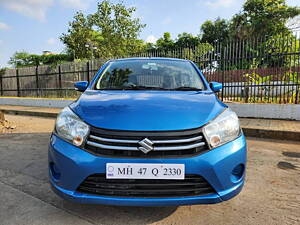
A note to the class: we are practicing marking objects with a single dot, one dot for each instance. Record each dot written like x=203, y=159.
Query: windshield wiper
x=185, y=88
x=141, y=87
x=110, y=88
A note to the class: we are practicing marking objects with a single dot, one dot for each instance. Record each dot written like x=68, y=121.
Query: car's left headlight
x=70, y=127
x=222, y=129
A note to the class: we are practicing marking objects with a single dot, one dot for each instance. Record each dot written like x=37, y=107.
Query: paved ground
x=267, y=124
x=271, y=194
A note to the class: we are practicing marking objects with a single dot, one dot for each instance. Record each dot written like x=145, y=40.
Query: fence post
x=18, y=83
x=88, y=71
x=223, y=56
x=59, y=81
x=1, y=85
x=297, y=94
x=37, y=80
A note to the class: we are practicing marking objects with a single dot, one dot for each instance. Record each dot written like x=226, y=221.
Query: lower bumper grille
x=192, y=185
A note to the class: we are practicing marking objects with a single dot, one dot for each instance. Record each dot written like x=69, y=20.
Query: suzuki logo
x=146, y=145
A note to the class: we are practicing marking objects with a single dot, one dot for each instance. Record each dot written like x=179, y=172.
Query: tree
x=262, y=17
x=165, y=42
x=185, y=39
x=213, y=31
x=80, y=34
x=21, y=59
x=149, y=46
x=110, y=32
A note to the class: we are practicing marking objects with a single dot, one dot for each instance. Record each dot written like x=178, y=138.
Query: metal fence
x=256, y=70
x=260, y=70
x=47, y=81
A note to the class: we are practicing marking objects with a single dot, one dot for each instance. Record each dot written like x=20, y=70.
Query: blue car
x=147, y=132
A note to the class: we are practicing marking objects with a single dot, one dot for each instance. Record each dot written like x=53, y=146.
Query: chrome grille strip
x=113, y=140
x=154, y=141
x=112, y=147
x=177, y=141
x=182, y=147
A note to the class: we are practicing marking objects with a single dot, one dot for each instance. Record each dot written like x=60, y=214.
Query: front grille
x=162, y=144
x=192, y=185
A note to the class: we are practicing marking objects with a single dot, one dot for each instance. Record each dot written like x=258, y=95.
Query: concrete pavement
x=270, y=196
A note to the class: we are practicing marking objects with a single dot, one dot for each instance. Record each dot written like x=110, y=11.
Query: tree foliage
x=20, y=59
x=183, y=40
x=186, y=39
x=257, y=18
x=184, y=46
x=215, y=31
x=109, y=32
x=23, y=59
x=80, y=33
x=2, y=71
x=165, y=42
x=262, y=17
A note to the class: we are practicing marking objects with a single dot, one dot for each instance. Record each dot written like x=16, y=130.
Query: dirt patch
x=27, y=124
x=5, y=125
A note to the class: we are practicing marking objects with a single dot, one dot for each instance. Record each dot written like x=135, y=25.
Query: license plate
x=144, y=171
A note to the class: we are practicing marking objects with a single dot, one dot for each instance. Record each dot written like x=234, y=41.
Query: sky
x=35, y=25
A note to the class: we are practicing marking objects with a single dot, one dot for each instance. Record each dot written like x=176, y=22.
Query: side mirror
x=81, y=86
x=215, y=86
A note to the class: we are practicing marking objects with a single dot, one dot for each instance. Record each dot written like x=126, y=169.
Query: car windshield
x=150, y=74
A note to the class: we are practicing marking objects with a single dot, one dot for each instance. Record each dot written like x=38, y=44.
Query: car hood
x=147, y=110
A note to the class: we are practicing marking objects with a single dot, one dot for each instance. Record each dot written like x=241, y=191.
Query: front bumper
x=73, y=165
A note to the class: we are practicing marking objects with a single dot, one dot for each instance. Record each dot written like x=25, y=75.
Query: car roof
x=149, y=58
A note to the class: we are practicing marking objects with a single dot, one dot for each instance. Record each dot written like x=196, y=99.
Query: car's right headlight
x=70, y=127
x=222, y=129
